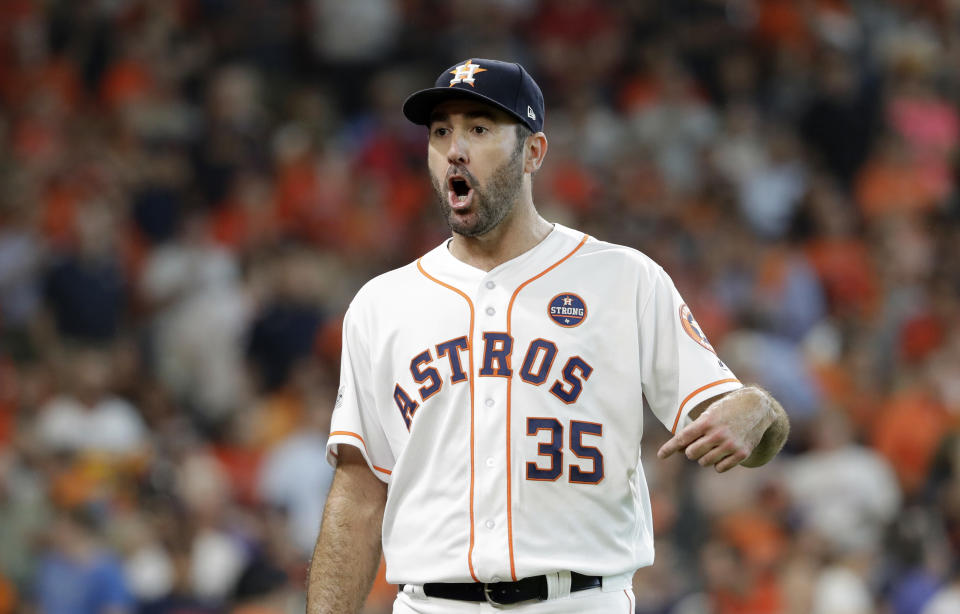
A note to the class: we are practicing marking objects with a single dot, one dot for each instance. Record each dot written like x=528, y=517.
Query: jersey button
x=488, y=402
x=490, y=462
x=494, y=579
x=491, y=311
x=491, y=285
x=490, y=524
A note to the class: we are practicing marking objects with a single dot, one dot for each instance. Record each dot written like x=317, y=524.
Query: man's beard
x=490, y=204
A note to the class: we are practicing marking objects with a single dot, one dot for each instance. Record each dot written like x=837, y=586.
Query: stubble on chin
x=491, y=204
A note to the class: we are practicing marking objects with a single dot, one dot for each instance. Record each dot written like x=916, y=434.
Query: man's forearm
x=347, y=553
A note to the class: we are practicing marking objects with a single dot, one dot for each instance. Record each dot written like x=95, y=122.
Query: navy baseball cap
x=504, y=85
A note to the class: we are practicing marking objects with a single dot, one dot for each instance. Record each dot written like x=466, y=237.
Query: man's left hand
x=731, y=430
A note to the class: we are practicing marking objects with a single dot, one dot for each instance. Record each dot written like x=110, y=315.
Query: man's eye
x=439, y=131
x=480, y=129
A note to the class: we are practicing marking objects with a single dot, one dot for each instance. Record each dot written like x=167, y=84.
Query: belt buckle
x=491, y=600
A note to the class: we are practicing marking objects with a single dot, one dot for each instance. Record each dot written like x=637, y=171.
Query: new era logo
x=531, y=114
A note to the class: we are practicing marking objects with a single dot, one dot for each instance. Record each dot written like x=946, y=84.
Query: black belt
x=504, y=593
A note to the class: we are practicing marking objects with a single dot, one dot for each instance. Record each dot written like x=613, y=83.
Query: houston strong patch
x=567, y=310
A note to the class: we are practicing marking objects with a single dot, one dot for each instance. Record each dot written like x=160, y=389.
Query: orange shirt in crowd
x=908, y=432
x=842, y=390
x=781, y=23
x=8, y=596
x=9, y=400
x=125, y=81
x=846, y=270
x=573, y=185
x=280, y=414
x=884, y=187
x=242, y=466
x=762, y=597
x=920, y=336
x=756, y=535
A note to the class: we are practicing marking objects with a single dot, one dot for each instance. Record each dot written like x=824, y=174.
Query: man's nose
x=457, y=153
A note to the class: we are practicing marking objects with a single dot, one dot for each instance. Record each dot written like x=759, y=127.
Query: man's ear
x=534, y=151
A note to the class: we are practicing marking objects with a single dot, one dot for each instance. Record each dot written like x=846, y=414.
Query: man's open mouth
x=460, y=193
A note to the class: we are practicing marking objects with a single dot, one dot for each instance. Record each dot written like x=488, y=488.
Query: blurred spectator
x=847, y=494
x=577, y=43
x=355, y=31
x=85, y=288
x=201, y=313
x=840, y=256
x=778, y=365
x=918, y=565
x=769, y=196
x=24, y=513
x=891, y=182
x=907, y=431
x=284, y=331
x=261, y=590
x=734, y=587
x=946, y=600
x=89, y=418
x=77, y=575
x=788, y=298
x=210, y=557
x=295, y=476
x=21, y=260
x=148, y=566
x=675, y=126
x=739, y=151
x=840, y=120
x=842, y=587
x=272, y=578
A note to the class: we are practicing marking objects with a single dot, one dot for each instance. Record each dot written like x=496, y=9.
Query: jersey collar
x=444, y=265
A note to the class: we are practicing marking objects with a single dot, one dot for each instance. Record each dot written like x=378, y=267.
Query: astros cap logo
x=693, y=329
x=567, y=310
x=465, y=72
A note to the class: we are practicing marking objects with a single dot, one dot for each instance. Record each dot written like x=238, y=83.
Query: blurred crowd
x=192, y=190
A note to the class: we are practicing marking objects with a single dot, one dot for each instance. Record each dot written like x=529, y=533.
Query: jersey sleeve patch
x=693, y=329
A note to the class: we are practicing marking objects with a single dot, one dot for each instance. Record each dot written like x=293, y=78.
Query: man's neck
x=519, y=232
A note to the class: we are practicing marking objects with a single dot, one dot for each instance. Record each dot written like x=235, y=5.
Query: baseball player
x=488, y=423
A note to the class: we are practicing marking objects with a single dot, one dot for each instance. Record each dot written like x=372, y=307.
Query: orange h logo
x=465, y=72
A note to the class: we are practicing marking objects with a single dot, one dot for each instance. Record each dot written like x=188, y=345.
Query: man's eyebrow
x=480, y=113
x=475, y=114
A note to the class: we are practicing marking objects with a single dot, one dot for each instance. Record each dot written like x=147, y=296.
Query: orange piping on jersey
x=470, y=360
x=630, y=609
x=351, y=434
x=513, y=569
x=695, y=393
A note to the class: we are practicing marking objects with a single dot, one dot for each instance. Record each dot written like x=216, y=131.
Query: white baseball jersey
x=503, y=408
